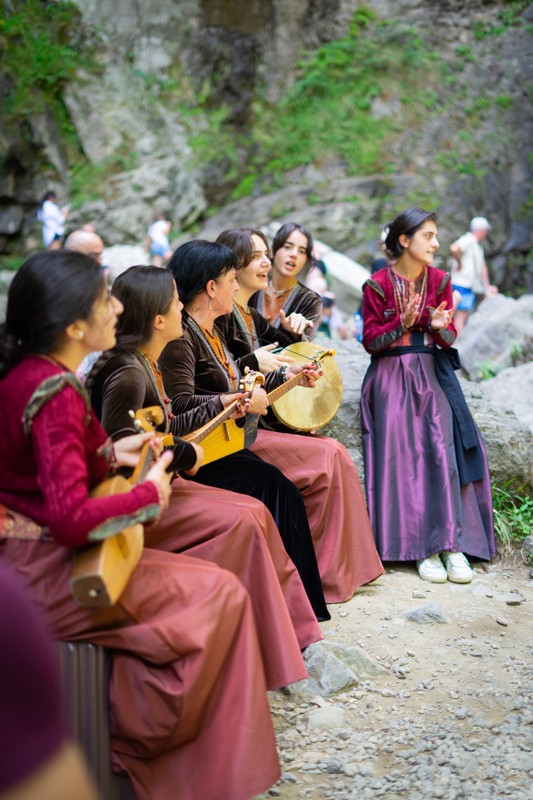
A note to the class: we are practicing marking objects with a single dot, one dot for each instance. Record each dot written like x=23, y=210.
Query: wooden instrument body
x=101, y=571
x=222, y=436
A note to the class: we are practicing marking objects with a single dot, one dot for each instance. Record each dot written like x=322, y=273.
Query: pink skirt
x=189, y=712
x=327, y=478
x=238, y=533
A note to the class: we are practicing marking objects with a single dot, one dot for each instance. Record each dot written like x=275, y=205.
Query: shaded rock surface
x=498, y=335
x=513, y=389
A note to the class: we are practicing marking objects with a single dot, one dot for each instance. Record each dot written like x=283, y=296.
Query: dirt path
x=452, y=717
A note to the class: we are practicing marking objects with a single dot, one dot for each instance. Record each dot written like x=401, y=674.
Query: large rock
x=508, y=440
x=498, y=335
x=513, y=389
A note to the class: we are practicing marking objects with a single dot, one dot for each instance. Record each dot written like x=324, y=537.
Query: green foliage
x=507, y=17
x=91, y=181
x=464, y=52
x=39, y=54
x=11, y=264
x=327, y=113
x=513, y=513
x=485, y=370
x=504, y=101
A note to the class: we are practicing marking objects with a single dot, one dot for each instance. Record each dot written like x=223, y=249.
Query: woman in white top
x=52, y=218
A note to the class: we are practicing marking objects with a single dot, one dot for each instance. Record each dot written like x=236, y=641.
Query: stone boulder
x=498, y=335
x=508, y=440
x=121, y=256
x=144, y=136
x=513, y=389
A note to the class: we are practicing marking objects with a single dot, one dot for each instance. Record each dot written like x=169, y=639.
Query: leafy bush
x=39, y=54
x=327, y=113
x=513, y=514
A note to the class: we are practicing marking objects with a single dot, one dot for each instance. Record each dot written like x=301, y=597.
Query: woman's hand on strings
x=128, y=450
x=268, y=360
x=309, y=373
x=258, y=402
x=158, y=474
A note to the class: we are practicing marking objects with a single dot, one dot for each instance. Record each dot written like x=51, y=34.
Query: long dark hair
x=196, y=263
x=283, y=234
x=50, y=291
x=240, y=241
x=144, y=292
x=407, y=223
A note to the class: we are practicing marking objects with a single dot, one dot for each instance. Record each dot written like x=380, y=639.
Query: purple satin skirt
x=416, y=504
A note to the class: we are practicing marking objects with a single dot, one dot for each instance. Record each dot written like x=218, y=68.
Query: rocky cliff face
x=135, y=132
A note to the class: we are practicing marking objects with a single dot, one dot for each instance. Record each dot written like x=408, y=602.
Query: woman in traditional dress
x=319, y=465
x=285, y=302
x=234, y=530
x=187, y=685
x=427, y=481
x=198, y=373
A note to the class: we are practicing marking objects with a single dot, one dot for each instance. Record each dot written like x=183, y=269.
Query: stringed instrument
x=219, y=437
x=304, y=410
x=100, y=572
x=222, y=436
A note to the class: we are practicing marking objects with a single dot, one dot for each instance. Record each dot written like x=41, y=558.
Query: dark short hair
x=196, y=263
x=283, y=234
x=407, y=223
x=50, y=291
x=49, y=195
x=240, y=241
x=144, y=292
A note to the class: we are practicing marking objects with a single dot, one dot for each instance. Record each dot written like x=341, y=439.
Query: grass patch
x=41, y=49
x=328, y=113
x=506, y=18
x=513, y=514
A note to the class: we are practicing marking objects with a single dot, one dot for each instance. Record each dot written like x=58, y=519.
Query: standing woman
x=285, y=302
x=52, y=218
x=233, y=530
x=187, y=684
x=427, y=480
x=318, y=465
x=198, y=372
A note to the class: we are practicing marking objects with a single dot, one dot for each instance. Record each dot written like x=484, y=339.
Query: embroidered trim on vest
x=116, y=524
x=444, y=283
x=47, y=390
x=372, y=284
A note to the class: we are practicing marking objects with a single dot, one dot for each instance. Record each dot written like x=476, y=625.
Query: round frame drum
x=304, y=409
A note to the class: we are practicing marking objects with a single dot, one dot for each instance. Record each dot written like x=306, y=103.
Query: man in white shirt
x=470, y=275
x=157, y=243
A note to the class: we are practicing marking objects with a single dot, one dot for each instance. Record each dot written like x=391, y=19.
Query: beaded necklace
x=403, y=289
x=152, y=370
x=216, y=346
x=274, y=300
x=245, y=321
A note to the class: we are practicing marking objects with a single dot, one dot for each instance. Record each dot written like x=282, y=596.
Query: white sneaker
x=432, y=569
x=457, y=567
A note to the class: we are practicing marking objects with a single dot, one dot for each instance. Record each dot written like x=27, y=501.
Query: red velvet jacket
x=46, y=472
x=382, y=325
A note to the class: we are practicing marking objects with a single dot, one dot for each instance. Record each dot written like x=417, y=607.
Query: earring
x=81, y=335
x=214, y=310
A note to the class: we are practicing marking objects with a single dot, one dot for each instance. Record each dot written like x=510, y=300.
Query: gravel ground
x=452, y=715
